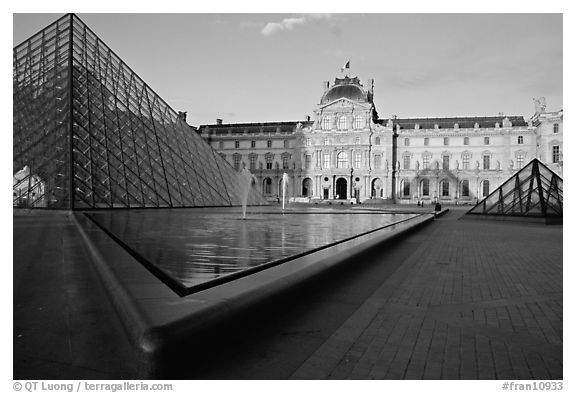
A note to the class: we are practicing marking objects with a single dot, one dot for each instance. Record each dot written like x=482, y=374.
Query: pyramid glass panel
x=89, y=133
x=534, y=191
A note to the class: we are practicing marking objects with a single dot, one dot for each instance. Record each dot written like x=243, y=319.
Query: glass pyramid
x=89, y=133
x=534, y=191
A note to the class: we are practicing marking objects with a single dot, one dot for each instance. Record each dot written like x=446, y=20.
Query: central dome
x=345, y=88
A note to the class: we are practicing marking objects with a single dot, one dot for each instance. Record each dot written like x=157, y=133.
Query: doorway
x=341, y=188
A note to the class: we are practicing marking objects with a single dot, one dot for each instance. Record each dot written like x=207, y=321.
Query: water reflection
x=194, y=246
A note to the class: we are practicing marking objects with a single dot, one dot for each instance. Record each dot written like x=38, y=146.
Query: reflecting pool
x=193, y=246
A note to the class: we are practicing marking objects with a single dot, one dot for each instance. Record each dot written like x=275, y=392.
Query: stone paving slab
x=475, y=300
x=64, y=324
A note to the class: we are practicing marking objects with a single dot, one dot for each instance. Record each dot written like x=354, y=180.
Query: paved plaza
x=455, y=299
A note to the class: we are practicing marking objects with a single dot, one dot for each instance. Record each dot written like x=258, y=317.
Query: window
x=556, y=128
x=342, y=123
x=269, y=161
x=307, y=161
x=253, y=162
x=406, y=142
x=267, y=186
x=520, y=140
x=357, y=159
x=253, y=144
x=326, y=160
x=466, y=161
x=308, y=142
x=445, y=141
x=326, y=141
x=426, y=141
x=237, y=144
x=405, y=188
x=485, y=188
x=286, y=144
x=486, y=162
x=555, y=154
x=377, y=161
x=326, y=123
x=466, y=140
x=426, y=161
x=285, y=162
x=269, y=143
x=237, y=158
x=465, y=188
x=358, y=122
x=357, y=141
x=406, y=161
x=445, y=188
x=342, y=160
x=486, y=140
x=446, y=162
x=519, y=161
x=221, y=145
x=426, y=187
x=377, y=140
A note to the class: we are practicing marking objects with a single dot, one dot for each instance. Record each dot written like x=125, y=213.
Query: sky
x=270, y=67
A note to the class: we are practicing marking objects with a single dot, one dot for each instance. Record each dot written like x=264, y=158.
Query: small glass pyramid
x=534, y=191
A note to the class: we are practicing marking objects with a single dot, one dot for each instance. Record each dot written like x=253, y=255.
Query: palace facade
x=345, y=151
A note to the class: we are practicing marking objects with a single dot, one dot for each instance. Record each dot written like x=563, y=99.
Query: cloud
x=289, y=23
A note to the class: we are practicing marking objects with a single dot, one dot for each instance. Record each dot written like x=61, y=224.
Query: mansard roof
x=448, y=122
x=251, y=128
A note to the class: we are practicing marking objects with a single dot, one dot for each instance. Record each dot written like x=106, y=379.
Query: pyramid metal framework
x=89, y=133
x=534, y=191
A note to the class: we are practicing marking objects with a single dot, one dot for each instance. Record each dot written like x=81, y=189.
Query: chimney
x=219, y=122
x=326, y=85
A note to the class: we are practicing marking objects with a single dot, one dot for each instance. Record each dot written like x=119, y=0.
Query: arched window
x=342, y=160
x=343, y=123
x=286, y=144
x=377, y=140
x=465, y=192
x=405, y=187
x=425, y=184
x=406, y=142
x=466, y=140
x=485, y=188
x=358, y=122
x=326, y=123
x=267, y=186
x=307, y=187
x=520, y=140
x=445, y=188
